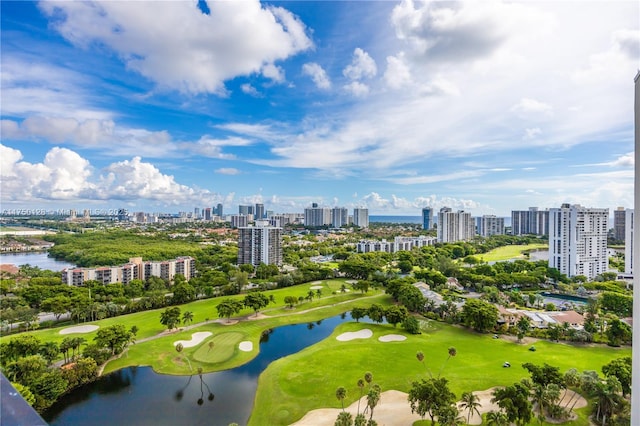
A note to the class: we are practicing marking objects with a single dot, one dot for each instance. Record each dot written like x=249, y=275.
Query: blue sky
x=166, y=106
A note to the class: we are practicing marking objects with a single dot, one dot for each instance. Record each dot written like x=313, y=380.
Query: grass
x=224, y=347
x=509, y=252
x=293, y=385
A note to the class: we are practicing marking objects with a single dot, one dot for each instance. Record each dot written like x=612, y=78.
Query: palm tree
x=368, y=377
x=211, y=345
x=373, y=397
x=179, y=348
x=452, y=352
x=361, y=386
x=341, y=394
x=470, y=402
x=420, y=357
x=497, y=418
x=344, y=419
x=187, y=317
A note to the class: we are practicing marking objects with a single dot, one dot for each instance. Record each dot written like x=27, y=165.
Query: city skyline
x=484, y=106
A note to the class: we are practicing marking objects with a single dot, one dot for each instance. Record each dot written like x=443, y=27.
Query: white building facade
x=361, y=217
x=455, y=226
x=260, y=244
x=578, y=240
x=629, y=241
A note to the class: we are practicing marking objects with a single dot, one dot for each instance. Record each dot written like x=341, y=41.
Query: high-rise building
x=317, y=216
x=635, y=385
x=532, y=221
x=260, y=244
x=361, y=217
x=239, y=220
x=207, y=213
x=245, y=210
x=489, y=225
x=619, y=216
x=259, y=211
x=219, y=210
x=339, y=217
x=578, y=240
x=196, y=213
x=629, y=242
x=427, y=218
x=452, y=227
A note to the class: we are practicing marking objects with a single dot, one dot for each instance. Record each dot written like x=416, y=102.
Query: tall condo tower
x=578, y=240
x=427, y=218
x=260, y=244
x=452, y=227
x=361, y=217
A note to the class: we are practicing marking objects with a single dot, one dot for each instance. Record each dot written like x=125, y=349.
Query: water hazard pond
x=139, y=396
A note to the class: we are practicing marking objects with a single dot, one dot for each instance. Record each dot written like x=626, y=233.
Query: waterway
x=39, y=259
x=139, y=396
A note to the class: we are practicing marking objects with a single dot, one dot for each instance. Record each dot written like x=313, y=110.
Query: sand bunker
x=316, y=282
x=196, y=339
x=393, y=409
x=79, y=329
x=316, y=287
x=350, y=335
x=246, y=346
x=392, y=338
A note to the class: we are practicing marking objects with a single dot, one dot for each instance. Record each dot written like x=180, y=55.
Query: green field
x=292, y=386
x=509, y=252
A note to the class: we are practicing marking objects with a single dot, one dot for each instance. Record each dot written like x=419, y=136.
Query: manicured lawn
x=508, y=252
x=292, y=386
x=224, y=347
x=162, y=356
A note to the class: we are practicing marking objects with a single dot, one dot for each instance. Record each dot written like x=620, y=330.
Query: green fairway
x=224, y=347
x=292, y=386
x=509, y=252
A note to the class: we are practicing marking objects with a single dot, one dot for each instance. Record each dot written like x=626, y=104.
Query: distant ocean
x=412, y=219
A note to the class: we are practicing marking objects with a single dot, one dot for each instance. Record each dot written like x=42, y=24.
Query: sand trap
x=316, y=282
x=316, y=287
x=350, y=335
x=196, y=339
x=79, y=329
x=392, y=338
x=393, y=409
x=246, y=346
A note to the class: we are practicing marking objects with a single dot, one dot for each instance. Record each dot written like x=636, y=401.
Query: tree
x=480, y=315
x=187, y=317
x=373, y=397
x=341, y=394
x=428, y=396
x=452, y=352
x=514, y=400
x=470, y=402
x=618, y=332
x=344, y=419
x=57, y=305
x=170, y=317
x=115, y=337
x=376, y=313
x=523, y=325
x=228, y=307
x=395, y=314
x=183, y=292
x=357, y=313
x=411, y=325
x=621, y=369
x=290, y=301
x=256, y=301
x=497, y=418
x=179, y=349
x=411, y=297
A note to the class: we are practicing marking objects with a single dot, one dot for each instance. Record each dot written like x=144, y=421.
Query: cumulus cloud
x=64, y=175
x=374, y=201
x=317, y=74
x=628, y=42
x=200, y=52
x=362, y=66
x=357, y=88
x=397, y=73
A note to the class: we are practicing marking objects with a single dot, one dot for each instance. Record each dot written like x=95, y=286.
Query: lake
x=139, y=396
x=39, y=259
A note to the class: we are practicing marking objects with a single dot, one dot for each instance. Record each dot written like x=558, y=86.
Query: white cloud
x=531, y=107
x=628, y=43
x=374, y=201
x=250, y=90
x=362, y=66
x=227, y=171
x=317, y=74
x=532, y=133
x=200, y=52
x=397, y=73
x=357, y=88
